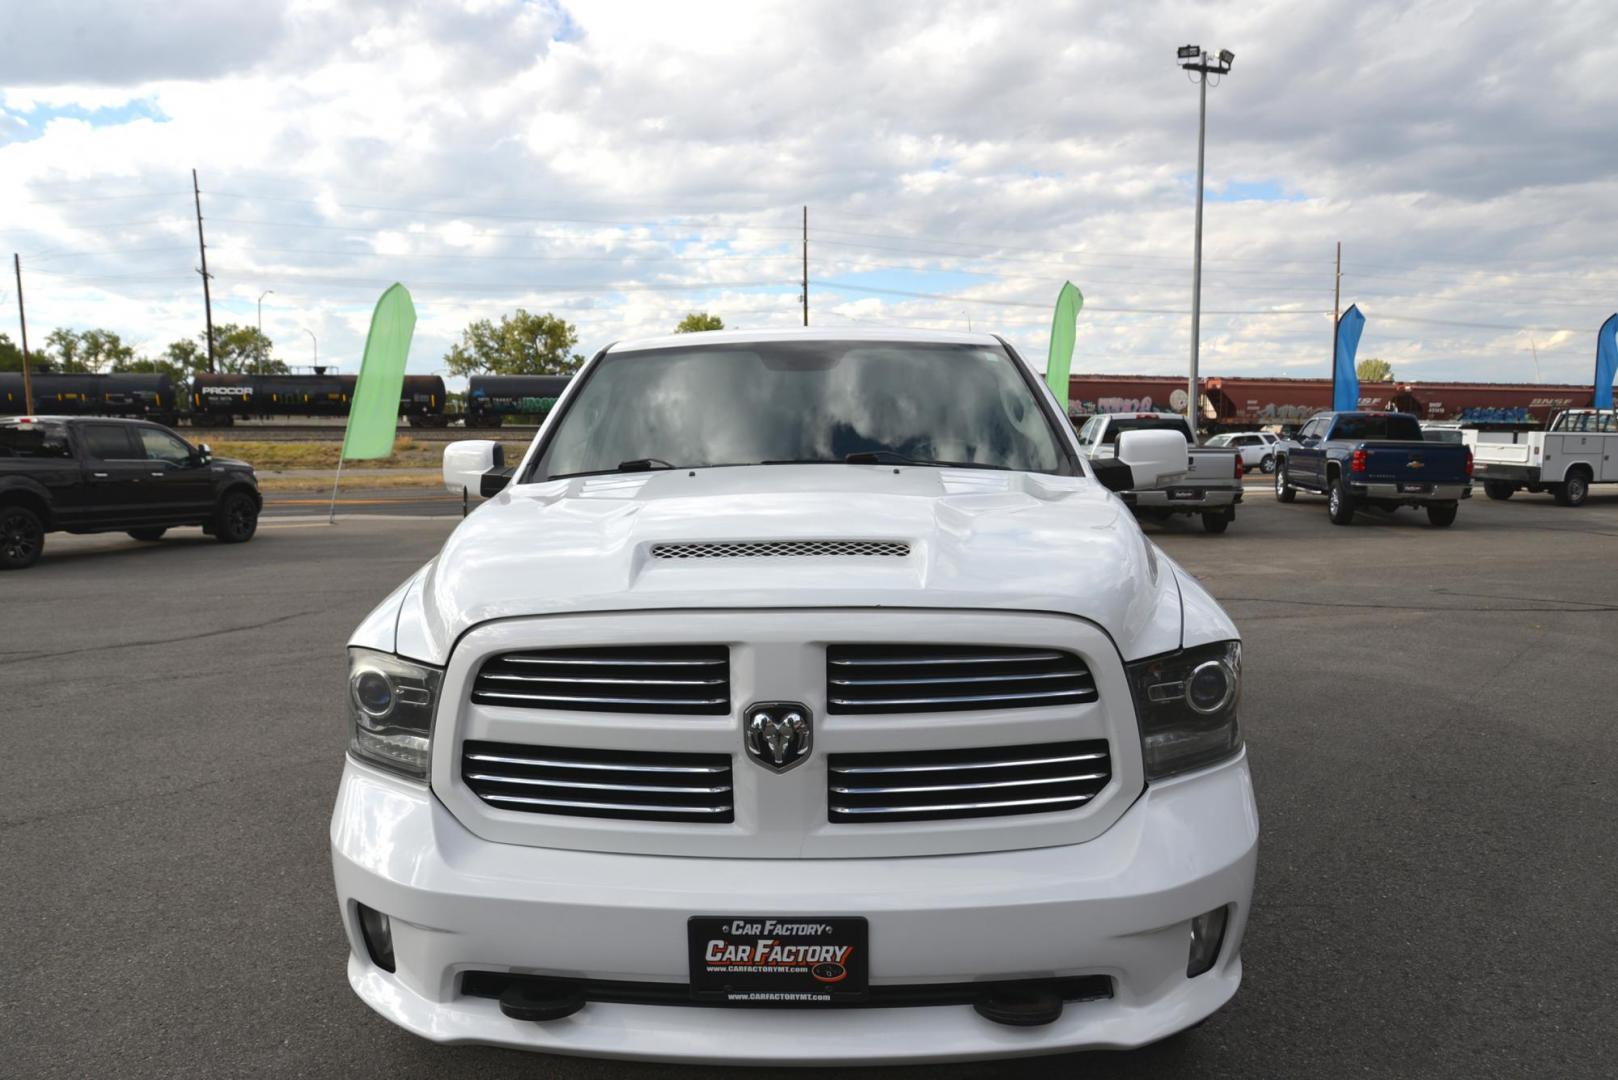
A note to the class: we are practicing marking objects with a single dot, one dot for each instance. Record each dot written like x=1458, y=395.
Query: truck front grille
x=939, y=678
x=935, y=785
x=624, y=784
x=689, y=680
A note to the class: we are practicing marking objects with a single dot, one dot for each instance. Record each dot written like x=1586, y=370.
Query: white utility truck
x=1579, y=449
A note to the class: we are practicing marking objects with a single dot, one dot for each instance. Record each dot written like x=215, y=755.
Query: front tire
x=236, y=520
x=1574, y=490
x=147, y=534
x=22, y=537
x=1340, y=504
x=1499, y=490
x=1442, y=515
x=1216, y=523
x=1284, y=492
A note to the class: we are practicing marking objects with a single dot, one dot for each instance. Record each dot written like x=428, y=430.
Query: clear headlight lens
x=390, y=711
x=1187, y=702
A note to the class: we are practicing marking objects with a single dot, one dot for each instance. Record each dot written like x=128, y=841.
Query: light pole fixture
x=260, y=342
x=1192, y=58
x=316, y=343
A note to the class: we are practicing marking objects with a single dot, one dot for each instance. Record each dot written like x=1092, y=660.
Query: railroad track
x=250, y=432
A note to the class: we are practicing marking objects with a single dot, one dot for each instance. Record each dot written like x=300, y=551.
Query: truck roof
x=805, y=333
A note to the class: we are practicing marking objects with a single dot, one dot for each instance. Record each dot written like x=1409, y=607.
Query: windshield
x=1376, y=426
x=1121, y=424
x=758, y=403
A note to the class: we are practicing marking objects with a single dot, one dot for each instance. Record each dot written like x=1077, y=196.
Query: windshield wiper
x=641, y=464
x=893, y=457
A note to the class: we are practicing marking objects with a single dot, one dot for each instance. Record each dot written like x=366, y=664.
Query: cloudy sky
x=622, y=163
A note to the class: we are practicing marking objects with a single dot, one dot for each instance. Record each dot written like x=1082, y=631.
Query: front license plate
x=778, y=959
x=1415, y=489
x=1185, y=493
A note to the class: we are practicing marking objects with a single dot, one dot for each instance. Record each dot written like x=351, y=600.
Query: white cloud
x=588, y=159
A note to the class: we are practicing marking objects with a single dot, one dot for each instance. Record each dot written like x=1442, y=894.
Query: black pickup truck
x=1374, y=459
x=84, y=475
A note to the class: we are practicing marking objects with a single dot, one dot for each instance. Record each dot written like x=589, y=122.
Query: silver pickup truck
x=1211, y=487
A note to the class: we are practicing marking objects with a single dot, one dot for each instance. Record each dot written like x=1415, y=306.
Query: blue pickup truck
x=1376, y=459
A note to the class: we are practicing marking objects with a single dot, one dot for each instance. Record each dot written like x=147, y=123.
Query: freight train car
x=1236, y=404
x=492, y=398
x=143, y=396
x=220, y=400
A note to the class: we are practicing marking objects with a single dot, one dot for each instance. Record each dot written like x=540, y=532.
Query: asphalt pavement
x=1429, y=713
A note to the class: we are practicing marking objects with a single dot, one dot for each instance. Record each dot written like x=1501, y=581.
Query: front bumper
x=1119, y=905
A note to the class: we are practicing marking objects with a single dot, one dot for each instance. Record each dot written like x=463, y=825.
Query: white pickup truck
x=1210, y=487
x=1579, y=449
x=813, y=670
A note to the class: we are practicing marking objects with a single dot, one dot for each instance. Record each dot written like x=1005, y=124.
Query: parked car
x=851, y=689
x=1210, y=488
x=1580, y=449
x=1257, y=448
x=84, y=475
x=1442, y=431
x=1375, y=459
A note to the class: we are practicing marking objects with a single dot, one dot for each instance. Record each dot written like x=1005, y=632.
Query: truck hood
x=976, y=538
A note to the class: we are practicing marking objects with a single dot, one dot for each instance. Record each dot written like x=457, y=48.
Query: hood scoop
x=783, y=549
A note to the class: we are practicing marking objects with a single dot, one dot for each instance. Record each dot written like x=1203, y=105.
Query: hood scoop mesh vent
x=784, y=549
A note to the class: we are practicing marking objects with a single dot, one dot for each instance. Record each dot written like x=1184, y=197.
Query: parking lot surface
x=1429, y=713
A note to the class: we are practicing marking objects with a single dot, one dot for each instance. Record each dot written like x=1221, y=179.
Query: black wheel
x=147, y=534
x=1574, y=490
x=22, y=537
x=1340, y=504
x=236, y=520
x=1284, y=492
x=1499, y=490
x=1442, y=515
x=1216, y=523
x=1267, y=465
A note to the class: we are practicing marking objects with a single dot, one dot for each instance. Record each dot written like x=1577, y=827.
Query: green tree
x=522, y=344
x=1373, y=370
x=64, y=353
x=699, y=320
x=185, y=356
x=242, y=350
x=10, y=355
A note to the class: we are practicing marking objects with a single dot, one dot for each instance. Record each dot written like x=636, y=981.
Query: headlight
x=1187, y=704
x=390, y=711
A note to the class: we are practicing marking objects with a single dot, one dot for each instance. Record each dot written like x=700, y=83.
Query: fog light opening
x=1207, y=937
x=377, y=931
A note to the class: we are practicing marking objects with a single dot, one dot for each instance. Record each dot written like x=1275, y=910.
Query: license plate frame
x=1407, y=488
x=1185, y=494
x=748, y=959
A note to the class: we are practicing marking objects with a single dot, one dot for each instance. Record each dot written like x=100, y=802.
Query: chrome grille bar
x=873, y=678
x=935, y=785
x=638, y=785
x=686, y=680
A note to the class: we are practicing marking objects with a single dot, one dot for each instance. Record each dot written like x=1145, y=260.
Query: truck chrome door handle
x=157, y=474
x=99, y=475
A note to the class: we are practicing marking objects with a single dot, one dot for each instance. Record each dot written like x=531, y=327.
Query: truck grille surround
x=939, y=678
x=622, y=784
x=939, y=785
x=690, y=680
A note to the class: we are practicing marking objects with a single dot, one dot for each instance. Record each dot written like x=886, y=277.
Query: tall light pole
x=1192, y=58
x=316, y=345
x=260, y=342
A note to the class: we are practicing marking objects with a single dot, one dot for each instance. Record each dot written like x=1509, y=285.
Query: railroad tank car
x=492, y=398
x=134, y=394
x=218, y=399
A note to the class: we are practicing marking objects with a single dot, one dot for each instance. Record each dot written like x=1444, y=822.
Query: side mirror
x=1153, y=456
x=204, y=453
x=465, y=464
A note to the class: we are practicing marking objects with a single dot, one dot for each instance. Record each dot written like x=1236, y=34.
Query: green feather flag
x=1064, y=327
x=373, y=415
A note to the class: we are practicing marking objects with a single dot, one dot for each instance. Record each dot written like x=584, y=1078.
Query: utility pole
x=207, y=299
x=1193, y=58
x=806, y=266
x=22, y=319
x=1336, y=313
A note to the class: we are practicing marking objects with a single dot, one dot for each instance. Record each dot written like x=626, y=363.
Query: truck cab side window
x=33, y=441
x=110, y=442
x=161, y=446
